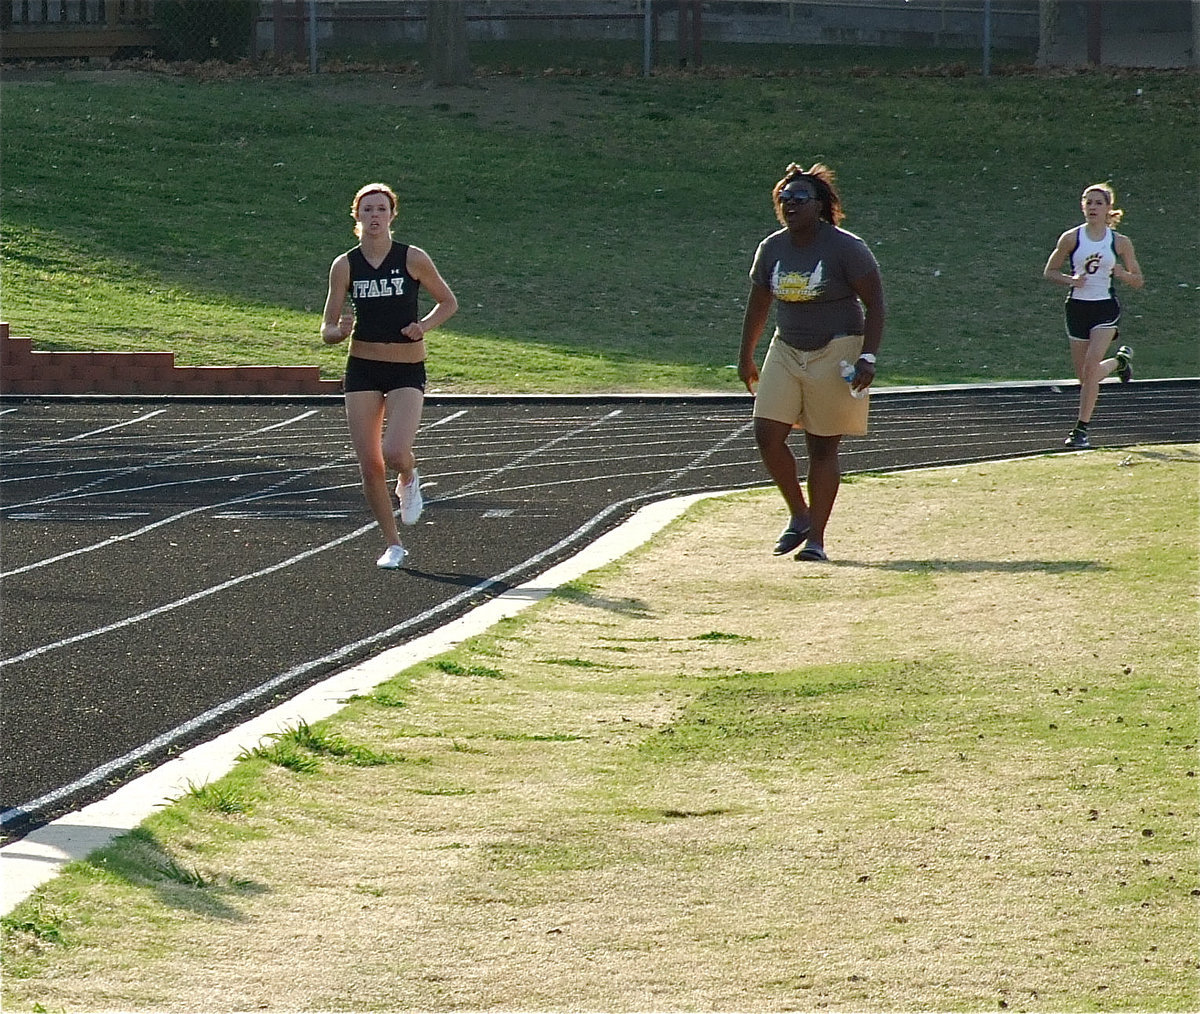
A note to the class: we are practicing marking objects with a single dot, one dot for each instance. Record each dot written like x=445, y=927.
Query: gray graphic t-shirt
x=811, y=284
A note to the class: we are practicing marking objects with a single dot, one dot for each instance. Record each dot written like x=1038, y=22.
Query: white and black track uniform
x=385, y=301
x=1093, y=304
x=385, y=298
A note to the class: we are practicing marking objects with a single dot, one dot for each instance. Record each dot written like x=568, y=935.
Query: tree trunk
x=448, y=61
x=1195, y=60
x=1095, y=34
x=1047, y=30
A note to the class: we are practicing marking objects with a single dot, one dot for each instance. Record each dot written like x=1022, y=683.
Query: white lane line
x=79, y=516
x=40, y=855
x=241, y=579
x=47, y=476
x=441, y=422
x=344, y=462
x=667, y=481
x=292, y=514
x=129, y=470
x=270, y=491
x=201, y=481
x=661, y=488
x=533, y=452
x=641, y=456
x=703, y=456
x=280, y=425
x=107, y=429
x=41, y=444
x=187, y=600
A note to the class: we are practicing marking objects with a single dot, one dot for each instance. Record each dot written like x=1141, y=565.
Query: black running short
x=377, y=375
x=1085, y=314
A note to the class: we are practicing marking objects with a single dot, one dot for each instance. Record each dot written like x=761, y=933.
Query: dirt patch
x=493, y=100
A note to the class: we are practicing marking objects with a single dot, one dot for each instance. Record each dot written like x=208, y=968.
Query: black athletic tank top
x=385, y=298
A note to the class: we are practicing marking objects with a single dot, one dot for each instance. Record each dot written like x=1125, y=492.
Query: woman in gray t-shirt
x=829, y=309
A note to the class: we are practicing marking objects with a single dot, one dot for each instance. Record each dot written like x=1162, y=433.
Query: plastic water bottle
x=847, y=371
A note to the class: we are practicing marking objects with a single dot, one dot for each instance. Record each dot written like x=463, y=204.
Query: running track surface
x=172, y=567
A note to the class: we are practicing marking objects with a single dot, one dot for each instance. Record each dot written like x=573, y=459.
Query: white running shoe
x=411, y=501
x=393, y=558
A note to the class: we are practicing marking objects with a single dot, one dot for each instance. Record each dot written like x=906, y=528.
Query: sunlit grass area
x=598, y=229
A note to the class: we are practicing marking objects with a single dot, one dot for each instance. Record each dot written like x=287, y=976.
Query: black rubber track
x=172, y=566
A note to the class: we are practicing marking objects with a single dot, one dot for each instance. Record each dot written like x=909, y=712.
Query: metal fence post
x=1095, y=34
x=987, y=38
x=312, y=36
x=647, y=38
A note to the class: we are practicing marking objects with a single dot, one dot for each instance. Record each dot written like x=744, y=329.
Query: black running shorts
x=1085, y=314
x=377, y=375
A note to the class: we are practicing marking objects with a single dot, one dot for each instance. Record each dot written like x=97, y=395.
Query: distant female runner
x=1096, y=255
x=385, y=371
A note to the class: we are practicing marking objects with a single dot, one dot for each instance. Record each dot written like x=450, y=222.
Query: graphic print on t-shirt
x=374, y=288
x=795, y=286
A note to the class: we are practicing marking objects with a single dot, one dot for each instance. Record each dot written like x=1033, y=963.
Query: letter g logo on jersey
x=1092, y=264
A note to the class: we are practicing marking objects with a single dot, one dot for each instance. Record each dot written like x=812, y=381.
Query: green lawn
x=597, y=229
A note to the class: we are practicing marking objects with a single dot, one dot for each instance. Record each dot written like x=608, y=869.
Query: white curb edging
x=28, y=863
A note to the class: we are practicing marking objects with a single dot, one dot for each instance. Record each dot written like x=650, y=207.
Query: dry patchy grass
x=952, y=770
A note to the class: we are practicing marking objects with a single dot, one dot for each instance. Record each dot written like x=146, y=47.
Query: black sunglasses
x=796, y=196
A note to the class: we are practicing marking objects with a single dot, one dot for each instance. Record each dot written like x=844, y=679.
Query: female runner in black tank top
x=385, y=374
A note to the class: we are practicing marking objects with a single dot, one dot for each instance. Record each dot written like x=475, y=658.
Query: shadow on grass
x=571, y=592
x=141, y=860
x=1175, y=454
x=981, y=566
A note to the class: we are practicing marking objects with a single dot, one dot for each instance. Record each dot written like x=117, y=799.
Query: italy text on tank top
x=385, y=298
x=1096, y=258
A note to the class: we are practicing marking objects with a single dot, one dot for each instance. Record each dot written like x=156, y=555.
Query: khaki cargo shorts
x=806, y=390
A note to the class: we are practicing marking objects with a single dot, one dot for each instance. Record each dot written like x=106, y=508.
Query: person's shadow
x=933, y=566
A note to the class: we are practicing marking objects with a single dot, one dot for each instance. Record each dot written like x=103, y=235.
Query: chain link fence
x=213, y=30
x=664, y=32
x=618, y=33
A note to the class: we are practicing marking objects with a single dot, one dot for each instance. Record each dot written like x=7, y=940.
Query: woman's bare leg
x=365, y=414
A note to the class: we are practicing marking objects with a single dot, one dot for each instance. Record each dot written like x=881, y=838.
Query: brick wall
x=24, y=371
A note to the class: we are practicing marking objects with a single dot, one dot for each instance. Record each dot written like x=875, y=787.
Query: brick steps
x=23, y=371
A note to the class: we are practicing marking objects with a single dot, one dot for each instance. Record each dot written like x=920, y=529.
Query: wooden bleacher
x=74, y=29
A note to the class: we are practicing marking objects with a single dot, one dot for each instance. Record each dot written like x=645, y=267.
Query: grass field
x=941, y=774
x=597, y=229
